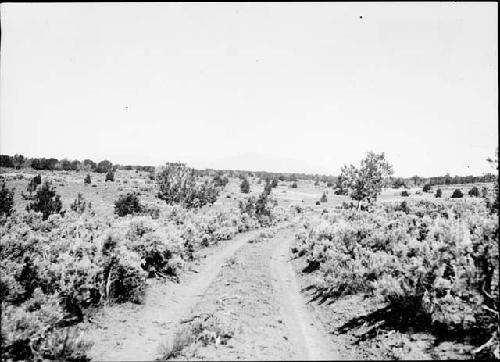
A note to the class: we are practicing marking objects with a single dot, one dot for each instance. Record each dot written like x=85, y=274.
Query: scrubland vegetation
x=432, y=258
x=435, y=263
x=59, y=264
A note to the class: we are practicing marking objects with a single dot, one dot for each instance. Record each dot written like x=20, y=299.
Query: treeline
x=19, y=161
x=264, y=175
x=417, y=181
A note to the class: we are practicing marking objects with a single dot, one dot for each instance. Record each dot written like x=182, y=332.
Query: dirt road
x=249, y=285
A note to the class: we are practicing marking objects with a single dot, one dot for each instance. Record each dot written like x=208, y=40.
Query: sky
x=297, y=87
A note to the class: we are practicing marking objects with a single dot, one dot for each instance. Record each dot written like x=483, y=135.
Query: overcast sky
x=285, y=86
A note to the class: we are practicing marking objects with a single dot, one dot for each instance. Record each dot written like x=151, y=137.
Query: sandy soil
x=132, y=332
x=248, y=283
x=257, y=295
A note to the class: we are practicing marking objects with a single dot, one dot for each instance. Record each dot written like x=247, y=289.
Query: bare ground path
x=132, y=332
x=257, y=295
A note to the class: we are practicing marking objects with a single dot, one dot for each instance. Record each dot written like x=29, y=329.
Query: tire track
x=257, y=295
x=131, y=332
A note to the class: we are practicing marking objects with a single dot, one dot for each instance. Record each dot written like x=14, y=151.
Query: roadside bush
x=439, y=193
x=323, y=197
x=427, y=188
x=128, y=205
x=274, y=183
x=474, y=192
x=436, y=264
x=46, y=201
x=260, y=208
x=294, y=185
x=405, y=193
x=110, y=176
x=87, y=180
x=245, y=186
x=6, y=201
x=53, y=270
x=178, y=185
x=457, y=194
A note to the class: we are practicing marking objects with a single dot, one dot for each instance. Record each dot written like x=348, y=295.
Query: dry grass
x=202, y=330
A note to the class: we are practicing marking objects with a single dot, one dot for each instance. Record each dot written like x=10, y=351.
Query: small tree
x=110, y=176
x=32, y=185
x=294, y=185
x=79, y=205
x=474, y=192
x=128, y=204
x=18, y=161
x=426, y=188
x=261, y=207
x=87, y=180
x=46, y=201
x=274, y=183
x=365, y=183
x=323, y=197
x=104, y=166
x=6, y=200
x=405, y=193
x=457, y=194
x=245, y=186
x=220, y=181
x=439, y=193
x=89, y=165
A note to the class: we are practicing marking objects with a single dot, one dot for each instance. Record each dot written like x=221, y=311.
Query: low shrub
x=110, y=176
x=474, y=192
x=128, y=205
x=79, y=205
x=457, y=194
x=436, y=265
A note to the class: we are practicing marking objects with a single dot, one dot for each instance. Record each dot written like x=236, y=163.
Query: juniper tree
x=6, y=200
x=46, y=201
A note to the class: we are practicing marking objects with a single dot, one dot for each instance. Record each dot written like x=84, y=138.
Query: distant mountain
x=258, y=162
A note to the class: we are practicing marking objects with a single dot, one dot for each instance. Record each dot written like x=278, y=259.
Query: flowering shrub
x=436, y=262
